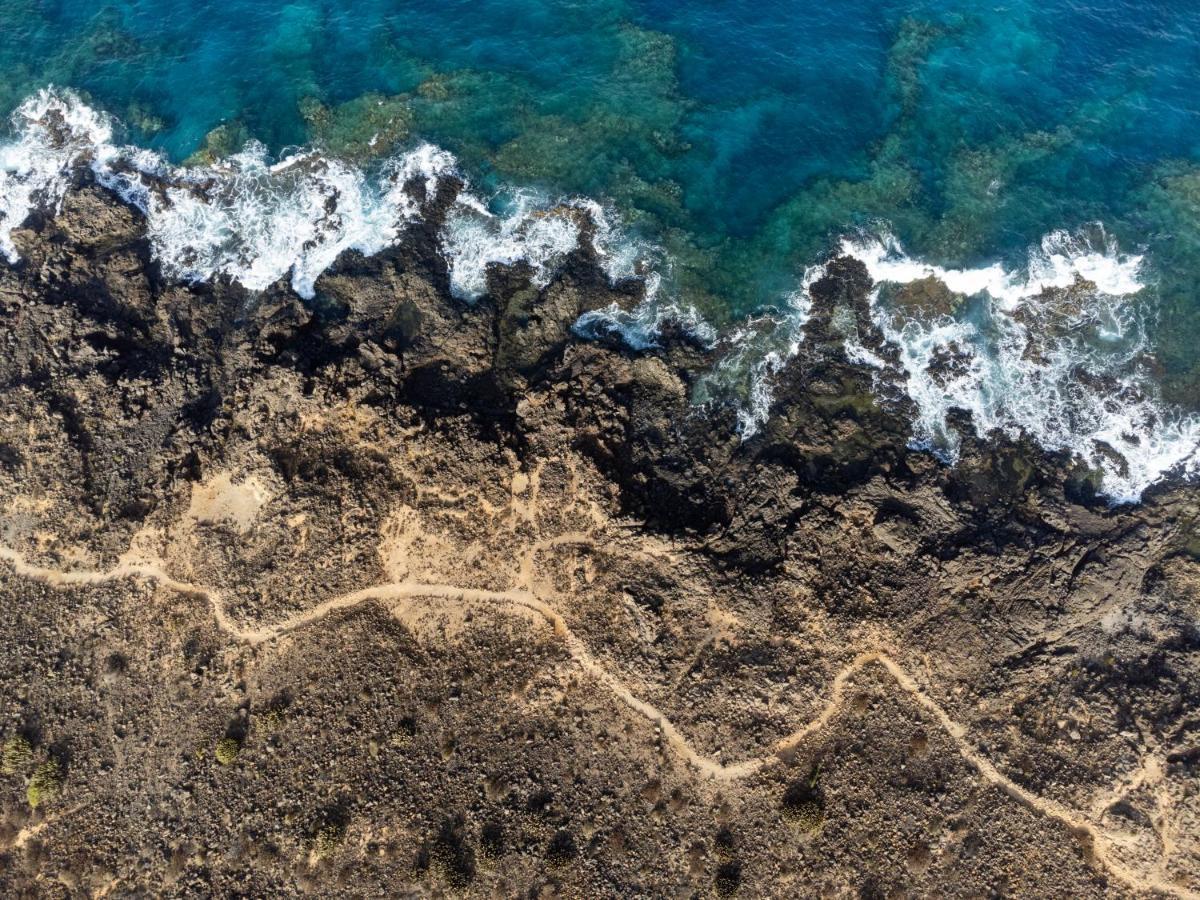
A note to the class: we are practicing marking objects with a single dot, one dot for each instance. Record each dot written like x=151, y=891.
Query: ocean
x=1041, y=160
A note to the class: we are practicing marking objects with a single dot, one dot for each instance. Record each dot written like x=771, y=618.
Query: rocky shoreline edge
x=567, y=602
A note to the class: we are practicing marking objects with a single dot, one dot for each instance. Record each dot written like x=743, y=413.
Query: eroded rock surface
x=385, y=594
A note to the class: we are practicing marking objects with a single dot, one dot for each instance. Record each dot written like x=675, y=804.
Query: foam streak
x=1055, y=351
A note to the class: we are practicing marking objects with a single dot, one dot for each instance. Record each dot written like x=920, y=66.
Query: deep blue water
x=741, y=134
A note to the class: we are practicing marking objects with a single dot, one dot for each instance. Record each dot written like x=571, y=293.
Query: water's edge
x=1057, y=351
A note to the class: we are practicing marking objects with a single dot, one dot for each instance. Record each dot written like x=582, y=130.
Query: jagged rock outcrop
x=387, y=593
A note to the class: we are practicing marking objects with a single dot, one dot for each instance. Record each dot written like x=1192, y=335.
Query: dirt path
x=522, y=599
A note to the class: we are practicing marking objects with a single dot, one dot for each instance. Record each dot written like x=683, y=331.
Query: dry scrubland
x=387, y=595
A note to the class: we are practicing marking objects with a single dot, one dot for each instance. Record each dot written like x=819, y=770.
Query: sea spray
x=1056, y=350
x=526, y=231
x=1058, y=261
x=255, y=220
x=756, y=352
x=55, y=134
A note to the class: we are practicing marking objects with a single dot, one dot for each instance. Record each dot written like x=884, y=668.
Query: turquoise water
x=747, y=130
x=743, y=138
x=743, y=132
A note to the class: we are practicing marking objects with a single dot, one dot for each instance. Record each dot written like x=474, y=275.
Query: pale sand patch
x=410, y=552
x=222, y=501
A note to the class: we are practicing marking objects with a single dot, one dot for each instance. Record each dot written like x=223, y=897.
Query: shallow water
x=754, y=128
x=744, y=139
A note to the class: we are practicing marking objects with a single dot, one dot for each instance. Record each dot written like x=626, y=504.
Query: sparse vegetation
x=16, y=755
x=451, y=855
x=807, y=815
x=491, y=841
x=803, y=804
x=561, y=850
x=724, y=843
x=327, y=840
x=729, y=878
x=227, y=751
x=272, y=720
x=45, y=784
x=406, y=730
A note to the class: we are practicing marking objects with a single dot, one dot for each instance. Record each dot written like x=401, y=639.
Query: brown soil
x=474, y=608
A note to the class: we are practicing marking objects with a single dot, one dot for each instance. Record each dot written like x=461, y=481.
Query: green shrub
x=16, y=755
x=804, y=804
x=729, y=878
x=45, y=784
x=561, y=849
x=328, y=838
x=227, y=751
x=491, y=841
x=807, y=815
x=272, y=720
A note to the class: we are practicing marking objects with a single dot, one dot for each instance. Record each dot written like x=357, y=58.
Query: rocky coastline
x=388, y=594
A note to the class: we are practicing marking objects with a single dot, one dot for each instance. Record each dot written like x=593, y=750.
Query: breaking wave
x=255, y=221
x=53, y=135
x=755, y=353
x=1056, y=350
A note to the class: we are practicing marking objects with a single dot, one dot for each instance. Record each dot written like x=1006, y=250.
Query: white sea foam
x=254, y=220
x=1030, y=360
x=529, y=230
x=426, y=166
x=754, y=354
x=54, y=135
x=1055, y=351
x=1056, y=263
x=641, y=327
x=623, y=257
x=761, y=355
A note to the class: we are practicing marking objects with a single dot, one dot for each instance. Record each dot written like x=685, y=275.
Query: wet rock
x=925, y=299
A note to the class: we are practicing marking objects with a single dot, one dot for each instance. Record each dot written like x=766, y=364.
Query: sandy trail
x=1101, y=841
